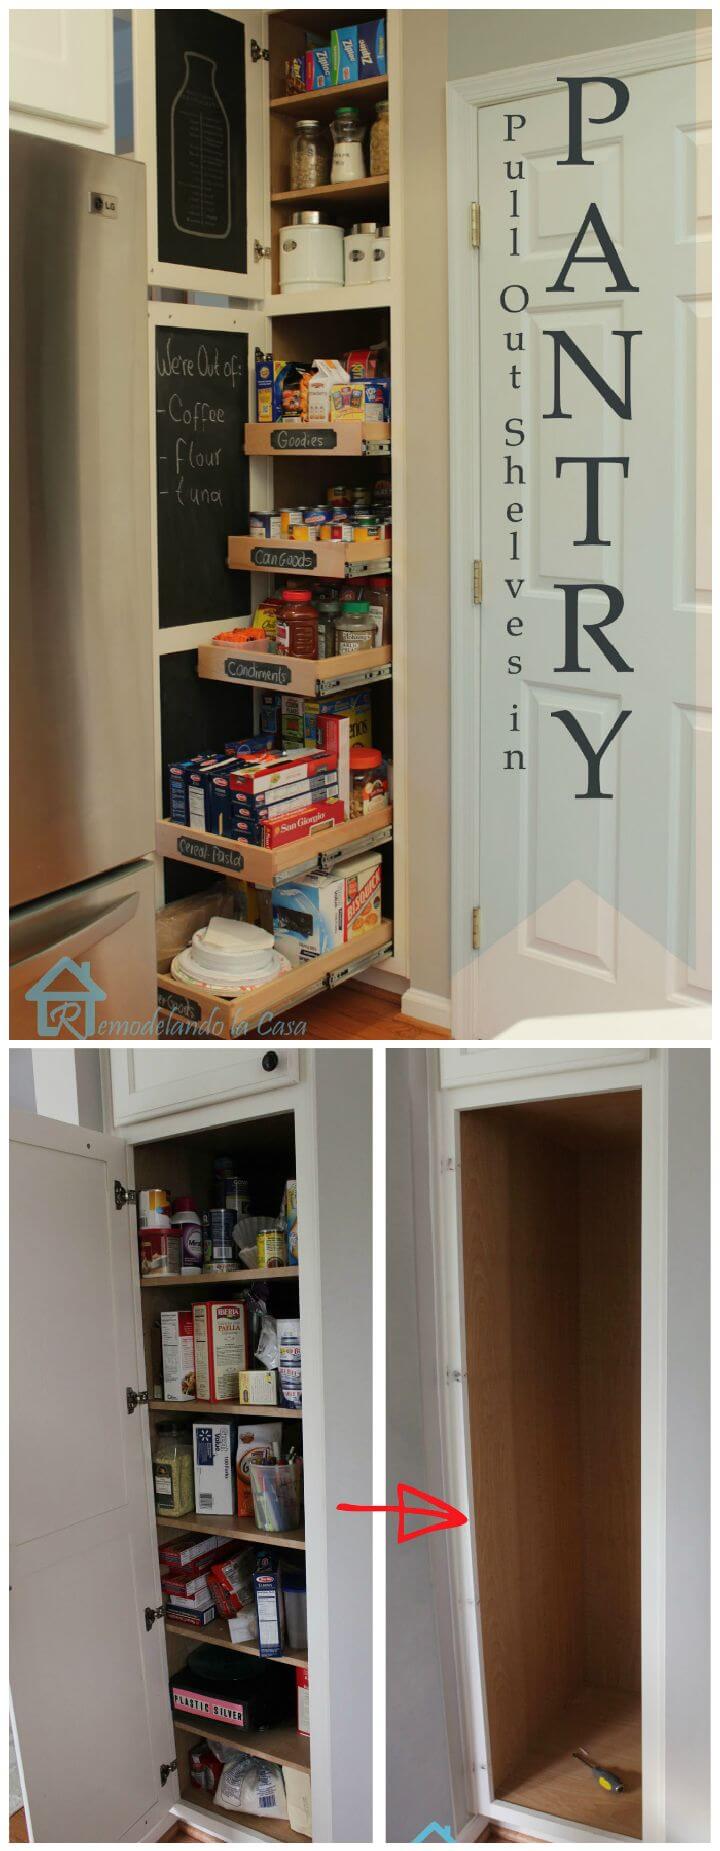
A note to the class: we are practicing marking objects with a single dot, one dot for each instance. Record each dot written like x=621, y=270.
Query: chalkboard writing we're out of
x=201, y=405
x=201, y=139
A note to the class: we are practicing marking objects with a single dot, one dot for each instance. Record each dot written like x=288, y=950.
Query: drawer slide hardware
x=125, y=1198
x=136, y=1398
x=151, y=1615
x=166, y=1769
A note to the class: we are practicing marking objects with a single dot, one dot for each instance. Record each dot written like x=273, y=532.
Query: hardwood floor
x=18, y=1834
x=355, y=1012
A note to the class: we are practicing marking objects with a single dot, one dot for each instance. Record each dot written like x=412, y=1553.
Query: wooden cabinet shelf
x=293, y=674
x=346, y=437
x=309, y=559
x=272, y=1410
x=322, y=104
x=266, y=867
x=218, y=1633
x=277, y=1744
x=232, y=1019
x=242, y=1276
x=232, y=1527
x=264, y=1828
x=330, y=301
x=370, y=191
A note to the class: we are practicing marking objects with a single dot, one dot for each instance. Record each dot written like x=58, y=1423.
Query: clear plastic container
x=309, y=156
x=173, y=1473
x=277, y=1496
x=380, y=140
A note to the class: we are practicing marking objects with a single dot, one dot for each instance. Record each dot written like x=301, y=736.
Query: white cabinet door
x=88, y=1681
x=147, y=1082
x=61, y=75
x=467, y=1066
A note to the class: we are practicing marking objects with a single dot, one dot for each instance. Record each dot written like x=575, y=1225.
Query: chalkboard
x=203, y=482
x=201, y=140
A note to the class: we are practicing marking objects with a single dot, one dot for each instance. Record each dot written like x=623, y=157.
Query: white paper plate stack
x=228, y=957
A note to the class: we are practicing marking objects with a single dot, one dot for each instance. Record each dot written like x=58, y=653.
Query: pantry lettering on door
x=590, y=244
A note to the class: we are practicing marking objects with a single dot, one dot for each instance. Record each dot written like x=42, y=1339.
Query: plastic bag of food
x=257, y=1787
x=267, y=1350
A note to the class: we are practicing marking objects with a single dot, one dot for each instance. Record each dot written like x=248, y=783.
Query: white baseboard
x=423, y=1006
x=470, y=1834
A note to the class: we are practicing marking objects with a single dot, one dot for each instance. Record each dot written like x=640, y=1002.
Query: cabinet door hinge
x=166, y=1769
x=257, y=52
x=446, y=1164
x=151, y=1615
x=260, y=251
x=125, y=1198
x=136, y=1398
x=477, y=581
x=477, y=928
x=475, y=225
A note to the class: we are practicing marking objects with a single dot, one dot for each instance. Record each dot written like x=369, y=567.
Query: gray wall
x=483, y=39
x=344, y=1098
x=688, y=1499
x=59, y=1083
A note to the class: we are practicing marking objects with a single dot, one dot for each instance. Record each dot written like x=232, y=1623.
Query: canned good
x=287, y=518
x=272, y=1247
x=219, y=1251
x=300, y=532
x=154, y=1208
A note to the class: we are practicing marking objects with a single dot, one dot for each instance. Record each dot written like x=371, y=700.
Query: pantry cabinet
x=149, y=1082
x=207, y=695
x=92, y=1651
x=61, y=75
x=551, y=1308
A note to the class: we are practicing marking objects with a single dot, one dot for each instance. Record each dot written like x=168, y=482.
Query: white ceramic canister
x=380, y=259
x=311, y=253
x=359, y=245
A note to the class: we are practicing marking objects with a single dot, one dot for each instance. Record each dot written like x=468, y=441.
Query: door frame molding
x=465, y=95
x=446, y=1423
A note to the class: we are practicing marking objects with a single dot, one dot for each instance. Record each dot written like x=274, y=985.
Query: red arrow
x=445, y=1515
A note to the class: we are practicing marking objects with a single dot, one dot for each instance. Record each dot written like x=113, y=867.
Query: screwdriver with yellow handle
x=611, y=1782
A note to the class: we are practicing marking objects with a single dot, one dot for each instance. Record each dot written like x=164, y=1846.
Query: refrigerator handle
x=71, y=944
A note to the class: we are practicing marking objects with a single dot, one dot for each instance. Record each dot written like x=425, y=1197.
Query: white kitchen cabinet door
x=468, y=1066
x=61, y=75
x=88, y=1680
x=148, y=1082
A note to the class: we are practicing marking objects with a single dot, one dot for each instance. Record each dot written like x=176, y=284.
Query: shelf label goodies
x=178, y=1353
x=221, y=1348
x=290, y=437
x=270, y=1608
x=214, y=1444
x=256, y=1445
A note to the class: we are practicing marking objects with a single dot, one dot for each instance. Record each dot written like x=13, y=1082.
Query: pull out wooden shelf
x=348, y=437
x=232, y=1527
x=218, y=1633
x=294, y=674
x=266, y=867
x=309, y=559
x=275, y=1744
x=214, y=1016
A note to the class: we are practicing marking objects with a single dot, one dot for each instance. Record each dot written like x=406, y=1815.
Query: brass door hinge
x=259, y=52
x=125, y=1198
x=476, y=928
x=475, y=225
x=477, y=581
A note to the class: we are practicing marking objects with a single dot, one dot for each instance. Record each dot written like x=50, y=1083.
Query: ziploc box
x=214, y=1449
x=309, y=917
x=318, y=68
x=356, y=705
x=372, y=50
x=344, y=54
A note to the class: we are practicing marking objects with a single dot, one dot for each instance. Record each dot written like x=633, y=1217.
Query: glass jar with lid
x=328, y=610
x=380, y=140
x=348, y=133
x=173, y=1472
x=296, y=632
x=309, y=156
x=354, y=628
x=369, y=782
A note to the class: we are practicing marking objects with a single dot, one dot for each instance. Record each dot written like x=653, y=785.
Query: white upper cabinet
x=149, y=1082
x=467, y=1066
x=61, y=75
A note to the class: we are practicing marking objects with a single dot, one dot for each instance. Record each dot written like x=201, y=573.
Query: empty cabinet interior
x=551, y=1219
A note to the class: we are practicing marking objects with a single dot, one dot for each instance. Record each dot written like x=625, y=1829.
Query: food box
x=232, y=1586
x=363, y=895
x=185, y=1550
x=258, y=1387
x=344, y=54
x=334, y=737
x=191, y=1594
x=294, y=76
x=257, y=1444
x=221, y=1348
x=178, y=1351
x=371, y=49
x=309, y=917
x=302, y=1686
x=318, y=68
x=159, y=1251
x=270, y=1606
x=214, y=1445
x=308, y=822
x=355, y=704
x=203, y=1616
x=298, y=1794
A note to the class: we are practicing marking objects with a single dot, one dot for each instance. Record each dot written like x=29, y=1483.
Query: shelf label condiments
x=274, y=674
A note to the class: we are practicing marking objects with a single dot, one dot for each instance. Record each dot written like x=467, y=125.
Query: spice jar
x=368, y=780
x=296, y=632
x=173, y=1473
x=328, y=610
x=354, y=628
x=379, y=597
x=380, y=140
x=348, y=162
x=309, y=156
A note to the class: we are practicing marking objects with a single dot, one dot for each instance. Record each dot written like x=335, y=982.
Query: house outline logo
x=64, y=1008
x=433, y=1830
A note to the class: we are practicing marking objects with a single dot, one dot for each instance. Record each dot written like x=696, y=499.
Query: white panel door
x=88, y=1681
x=61, y=75
x=147, y=1082
x=594, y=904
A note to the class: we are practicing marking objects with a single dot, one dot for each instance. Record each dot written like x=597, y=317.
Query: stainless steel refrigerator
x=81, y=765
